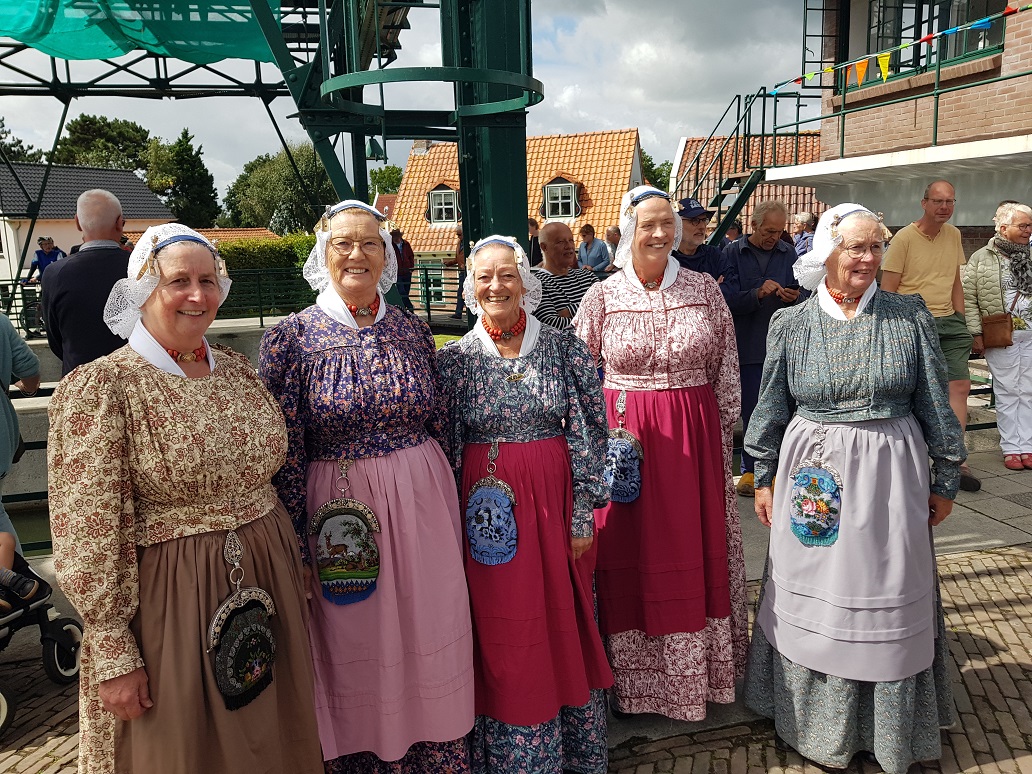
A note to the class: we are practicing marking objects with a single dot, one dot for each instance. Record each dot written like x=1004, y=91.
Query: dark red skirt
x=662, y=560
x=536, y=647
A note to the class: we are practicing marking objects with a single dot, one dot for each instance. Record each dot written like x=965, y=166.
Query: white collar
x=331, y=303
x=530, y=337
x=669, y=273
x=146, y=346
x=828, y=303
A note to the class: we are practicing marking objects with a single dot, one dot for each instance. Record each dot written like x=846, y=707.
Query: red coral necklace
x=364, y=311
x=840, y=298
x=188, y=357
x=498, y=333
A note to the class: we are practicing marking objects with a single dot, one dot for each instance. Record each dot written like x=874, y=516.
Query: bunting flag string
x=883, y=57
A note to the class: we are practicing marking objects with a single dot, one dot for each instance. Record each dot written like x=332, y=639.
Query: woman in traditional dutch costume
x=528, y=442
x=671, y=571
x=373, y=502
x=849, y=650
x=170, y=541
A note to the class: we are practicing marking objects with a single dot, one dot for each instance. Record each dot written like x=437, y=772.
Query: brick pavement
x=987, y=596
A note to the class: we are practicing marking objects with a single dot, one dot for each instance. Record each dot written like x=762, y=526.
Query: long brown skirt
x=189, y=729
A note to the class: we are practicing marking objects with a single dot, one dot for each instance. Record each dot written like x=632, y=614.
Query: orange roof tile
x=601, y=162
x=692, y=165
x=221, y=234
x=385, y=204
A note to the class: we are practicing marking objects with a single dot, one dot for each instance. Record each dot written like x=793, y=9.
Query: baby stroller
x=61, y=638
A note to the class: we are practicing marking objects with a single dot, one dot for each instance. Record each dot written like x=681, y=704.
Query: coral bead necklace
x=841, y=298
x=188, y=357
x=364, y=311
x=498, y=333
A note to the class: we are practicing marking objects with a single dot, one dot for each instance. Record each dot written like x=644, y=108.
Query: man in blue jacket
x=693, y=252
x=758, y=280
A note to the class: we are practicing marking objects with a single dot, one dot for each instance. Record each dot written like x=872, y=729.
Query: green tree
x=269, y=194
x=96, y=141
x=657, y=175
x=176, y=173
x=385, y=180
x=15, y=148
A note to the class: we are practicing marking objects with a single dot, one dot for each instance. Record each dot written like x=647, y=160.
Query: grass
x=441, y=339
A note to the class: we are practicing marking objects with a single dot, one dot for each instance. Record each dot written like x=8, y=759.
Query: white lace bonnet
x=122, y=309
x=810, y=269
x=531, y=284
x=316, y=271
x=629, y=220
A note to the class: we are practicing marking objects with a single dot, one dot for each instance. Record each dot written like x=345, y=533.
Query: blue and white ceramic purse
x=345, y=549
x=624, y=456
x=490, y=520
x=816, y=500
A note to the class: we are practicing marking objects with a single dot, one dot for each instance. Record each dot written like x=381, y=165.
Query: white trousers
x=1011, y=368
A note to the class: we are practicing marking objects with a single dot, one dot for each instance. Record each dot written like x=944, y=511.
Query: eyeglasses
x=346, y=247
x=1021, y=226
x=857, y=252
x=701, y=220
x=941, y=202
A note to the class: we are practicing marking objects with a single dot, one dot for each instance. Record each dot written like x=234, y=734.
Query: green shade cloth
x=197, y=31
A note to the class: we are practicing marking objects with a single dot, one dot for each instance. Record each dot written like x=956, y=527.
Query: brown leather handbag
x=998, y=329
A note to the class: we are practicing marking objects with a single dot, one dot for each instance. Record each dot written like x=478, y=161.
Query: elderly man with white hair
x=758, y=281
x=76, y=288
x=998, y=281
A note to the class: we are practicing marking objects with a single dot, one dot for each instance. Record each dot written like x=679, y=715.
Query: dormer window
x=560, y=200
x=444, y=205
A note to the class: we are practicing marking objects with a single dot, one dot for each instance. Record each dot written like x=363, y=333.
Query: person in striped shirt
x=563, y=284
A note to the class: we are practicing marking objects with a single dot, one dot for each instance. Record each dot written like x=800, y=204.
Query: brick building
x=954, y=104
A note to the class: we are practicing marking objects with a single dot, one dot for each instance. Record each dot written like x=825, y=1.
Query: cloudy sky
x=667, y=67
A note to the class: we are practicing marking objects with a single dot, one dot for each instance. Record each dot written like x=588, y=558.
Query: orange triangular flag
x=883, y=65
x=849, y=73
x=861, y=71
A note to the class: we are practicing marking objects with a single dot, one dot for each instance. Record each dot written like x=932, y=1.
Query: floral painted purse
x=345, y=549
x=624, y=455
x=490, y=521
x=240, y=637
x=816, y=500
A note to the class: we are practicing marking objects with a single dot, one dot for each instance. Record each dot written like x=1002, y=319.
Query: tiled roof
x=385, y=204
x=788, y=150
x=221, y=234
x=602, y=162
x=66, y=183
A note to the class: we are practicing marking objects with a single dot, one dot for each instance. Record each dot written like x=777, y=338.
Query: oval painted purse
x=816, y=499
x=490, y=520
x=346, y=553
x=624, y=455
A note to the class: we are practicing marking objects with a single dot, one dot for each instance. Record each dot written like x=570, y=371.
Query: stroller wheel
x=8, y=709
x=62, y=643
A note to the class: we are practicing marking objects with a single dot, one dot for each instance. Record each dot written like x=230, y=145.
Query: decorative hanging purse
x=490, y=521
x=624, y=455
x=816, y=500
x=345, y=550
x=240, y=636
x=998, y=329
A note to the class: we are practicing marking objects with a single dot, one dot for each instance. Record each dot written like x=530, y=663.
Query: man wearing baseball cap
x=693, y=253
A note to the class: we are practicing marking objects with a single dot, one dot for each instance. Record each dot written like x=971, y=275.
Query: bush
x=301, y=243
x=259, y=254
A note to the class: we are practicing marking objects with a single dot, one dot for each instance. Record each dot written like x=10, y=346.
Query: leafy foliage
x=262, y=253
x=385, y=180
x=269, y=194
x=176, y=173
x=96, y=141
x=657, y=174
x=15, y=148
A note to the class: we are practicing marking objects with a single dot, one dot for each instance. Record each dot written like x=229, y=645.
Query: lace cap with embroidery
x=122, y=309
x=317, y=273
x=531, y=284
x=629, y=220
x=810, y=269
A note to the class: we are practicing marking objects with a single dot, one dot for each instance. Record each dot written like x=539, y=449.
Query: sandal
x=1016, y=461
x=1026, y=460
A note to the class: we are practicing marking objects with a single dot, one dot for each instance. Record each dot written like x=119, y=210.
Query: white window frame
x=440, y=203
x=564, y=205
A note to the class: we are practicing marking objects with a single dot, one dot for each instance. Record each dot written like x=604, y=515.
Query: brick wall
x=1001, y=109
